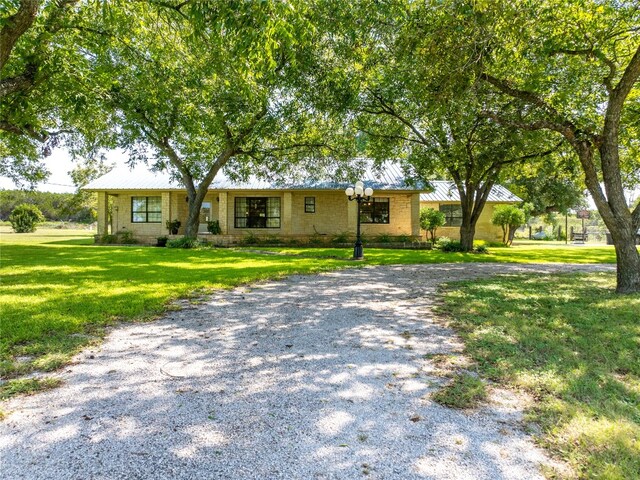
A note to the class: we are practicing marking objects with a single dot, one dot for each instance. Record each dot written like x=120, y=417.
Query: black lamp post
x=359, y=194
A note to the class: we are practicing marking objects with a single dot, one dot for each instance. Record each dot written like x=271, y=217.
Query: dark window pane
x=375, y=211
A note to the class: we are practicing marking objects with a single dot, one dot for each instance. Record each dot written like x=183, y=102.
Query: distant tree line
x=64, y=207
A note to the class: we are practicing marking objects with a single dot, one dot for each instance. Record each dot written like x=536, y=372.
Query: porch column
x=222, y=212
x=286, y=227
x=166, y=209
x=103, y=213
x=415, y=214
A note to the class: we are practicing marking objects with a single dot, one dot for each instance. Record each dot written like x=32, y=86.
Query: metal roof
x=388, y=177
x=446, y=191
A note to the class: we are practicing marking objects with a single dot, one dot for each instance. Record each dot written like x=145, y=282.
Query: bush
x=316, y=239
x=184, y=242
x=509, y=217
x=25, y=217
x=481, y=249
x=445, y=244
x=213, y=227
x=250, y=239
x=431, y=220
x=126, y=237
x=340, y=238
x=107, y=239
x=383, y=238
x=403, y=238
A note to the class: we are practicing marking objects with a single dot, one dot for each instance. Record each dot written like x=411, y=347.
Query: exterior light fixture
x=359, y=194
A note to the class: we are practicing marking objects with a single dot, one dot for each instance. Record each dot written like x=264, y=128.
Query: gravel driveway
x=312, y=377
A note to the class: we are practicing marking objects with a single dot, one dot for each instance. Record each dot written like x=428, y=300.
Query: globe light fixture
x=359, y=194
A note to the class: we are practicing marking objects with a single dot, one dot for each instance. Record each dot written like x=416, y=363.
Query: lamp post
x=359, y=194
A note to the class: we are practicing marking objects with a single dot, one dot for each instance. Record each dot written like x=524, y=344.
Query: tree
x=431, y=220
x=576, y=75
x=510, y=218
x=25, y=218
x=45, y=88
x=223, y=93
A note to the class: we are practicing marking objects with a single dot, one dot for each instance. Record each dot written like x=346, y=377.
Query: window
x=375, y=210
x=257, y=212
x=452, y=214
x=146, y=209
x=309, y=204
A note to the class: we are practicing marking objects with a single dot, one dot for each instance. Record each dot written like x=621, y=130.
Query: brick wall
x=485, y=230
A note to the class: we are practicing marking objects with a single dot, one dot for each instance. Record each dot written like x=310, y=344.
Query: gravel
x=312, y=377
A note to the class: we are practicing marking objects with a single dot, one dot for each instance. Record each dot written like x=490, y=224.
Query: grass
x=59, y=291
x=528, y=252
x=573, y=344
x=464, y=391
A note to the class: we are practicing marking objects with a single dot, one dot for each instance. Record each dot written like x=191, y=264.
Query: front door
x=205, y=216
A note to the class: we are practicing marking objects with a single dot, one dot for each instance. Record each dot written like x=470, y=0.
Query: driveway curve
x=311, y=377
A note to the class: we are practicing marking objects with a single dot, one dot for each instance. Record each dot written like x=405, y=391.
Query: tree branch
x=15, y=26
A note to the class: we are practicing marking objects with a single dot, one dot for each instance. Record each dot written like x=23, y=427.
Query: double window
x=146, y=209
x=452, y=215
x=257, y=212
x=375, y=210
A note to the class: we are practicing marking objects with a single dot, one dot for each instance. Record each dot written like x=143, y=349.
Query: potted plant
x=213, y=227
x=161, y=241
x=173, y=226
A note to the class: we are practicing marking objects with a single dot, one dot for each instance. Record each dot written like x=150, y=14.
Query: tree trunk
x=467, y=232
x=627, y=258
x=193, y=219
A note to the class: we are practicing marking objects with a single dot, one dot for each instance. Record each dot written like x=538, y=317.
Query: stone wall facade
x=334, y=214
x=485, y=230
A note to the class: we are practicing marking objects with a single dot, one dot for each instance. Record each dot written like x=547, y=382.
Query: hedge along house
x=142, y=202
x=445, y=198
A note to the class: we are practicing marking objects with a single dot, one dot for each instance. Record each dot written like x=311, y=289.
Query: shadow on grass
x=573, y=344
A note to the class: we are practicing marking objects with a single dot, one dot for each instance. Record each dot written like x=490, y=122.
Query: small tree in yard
x=25, y=217
x=510, y=218
x=431, y=220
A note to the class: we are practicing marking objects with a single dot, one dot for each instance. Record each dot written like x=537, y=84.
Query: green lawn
x=574, y=345
x=525, y=252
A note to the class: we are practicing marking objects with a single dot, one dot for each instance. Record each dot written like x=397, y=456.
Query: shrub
x=213, y=227
x=162, y=241
x=107, y=239
x=509, y=217
x=383, y=238
x=250, y=239
x=481, y=249
x=173, y=226
x=25, y=217
x=183, y=242
x=126, y=237
x=403, y=238
x=445, y=244
x=431, y=220
x=316, y=239
x=340, y=238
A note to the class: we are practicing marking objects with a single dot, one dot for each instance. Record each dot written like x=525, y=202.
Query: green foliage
x=213, y=227
x=162, y=241
x=403, y=238
x=383, y=238
x=464, y=391
x=126, y=237
x=107, y=239
x=510, y=218
x=431, y=220
x=173, y=226
x=24, y=218
x=343, y=237
x=571, y=343
x=66, y=207
x=250, y=238
x=183, y=242
x=445, y=244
